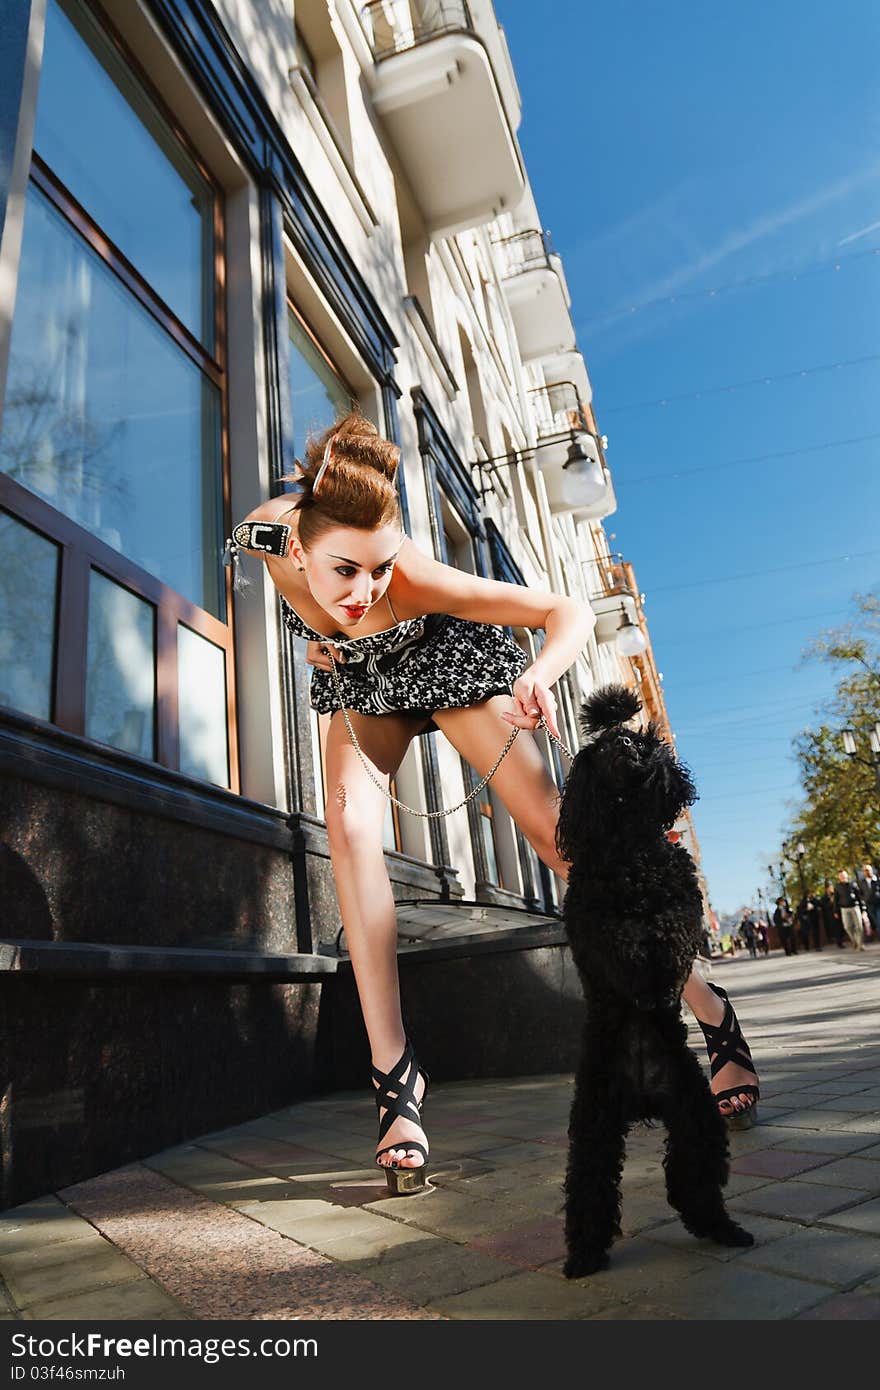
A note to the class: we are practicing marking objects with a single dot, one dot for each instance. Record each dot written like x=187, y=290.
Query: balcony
x=537, y=294
x=437, y=93
x=616, y=604
x=570, y=456
x=570, y=366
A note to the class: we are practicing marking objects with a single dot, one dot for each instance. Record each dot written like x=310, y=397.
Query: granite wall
x=100, y=1072
x=477, y=1011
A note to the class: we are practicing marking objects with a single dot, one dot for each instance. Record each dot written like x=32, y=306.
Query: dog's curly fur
x=633, y=916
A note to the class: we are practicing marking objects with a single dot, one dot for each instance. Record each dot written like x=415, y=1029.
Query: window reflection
x=106, y=419
x=119, y=160
x=28, y=596
x=317, y=395
x=201, y=698
x=487, y=829
x=389, y=836
x=120, y=680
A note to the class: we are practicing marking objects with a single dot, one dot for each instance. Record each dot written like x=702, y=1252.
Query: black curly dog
x=633, y=916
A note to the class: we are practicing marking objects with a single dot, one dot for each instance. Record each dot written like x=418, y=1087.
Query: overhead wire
x=752, y=791
x=835, y=263
x=757, y=627
x=742, y=385
x=743, y=462
x=759, y=574
x=740, y=675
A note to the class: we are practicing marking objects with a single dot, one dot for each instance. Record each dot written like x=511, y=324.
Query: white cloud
x=662, y=218
x=854, y=236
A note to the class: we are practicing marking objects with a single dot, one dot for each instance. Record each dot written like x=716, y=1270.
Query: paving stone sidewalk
x=280, y=1218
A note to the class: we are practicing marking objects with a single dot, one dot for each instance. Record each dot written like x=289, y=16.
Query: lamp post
x=796, y=854
x=777, y=871
x=578, y=462
x=849, y=748
x=764, y=911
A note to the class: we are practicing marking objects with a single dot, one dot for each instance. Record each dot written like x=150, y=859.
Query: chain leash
x=433, y=815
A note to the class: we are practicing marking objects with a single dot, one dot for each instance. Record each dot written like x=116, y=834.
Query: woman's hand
x=318, y=654
x=532, y=699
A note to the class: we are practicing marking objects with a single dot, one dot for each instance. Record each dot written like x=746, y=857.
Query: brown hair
x=357, y=487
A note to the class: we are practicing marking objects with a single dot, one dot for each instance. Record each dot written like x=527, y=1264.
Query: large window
x=319, y=396
x=111, y=449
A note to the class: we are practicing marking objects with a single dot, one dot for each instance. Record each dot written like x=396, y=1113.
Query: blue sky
x=711, y=178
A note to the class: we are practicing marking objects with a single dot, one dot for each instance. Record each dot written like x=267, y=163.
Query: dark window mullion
x=167, y=732
x=70, y=660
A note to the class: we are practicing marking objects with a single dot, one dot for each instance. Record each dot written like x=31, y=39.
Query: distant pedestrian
x=850, y=905
x=783, y=921
x=749, y=934
x=834, y=933
x=763, y=937
x=871, y=891
x=809, y=923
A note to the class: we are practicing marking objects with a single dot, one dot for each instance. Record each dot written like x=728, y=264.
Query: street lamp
x=777, y=871
x=587, y=469
x=764, y=911
x=579, y=462
x=849, y=748
x=797, y=857
x=631, y=641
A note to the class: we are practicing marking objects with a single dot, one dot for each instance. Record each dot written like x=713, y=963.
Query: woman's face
x=348, y=570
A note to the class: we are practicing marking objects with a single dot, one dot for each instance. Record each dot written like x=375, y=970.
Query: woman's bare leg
x=706, y=1007
x=355, y=815
x=524, y=784
x=523, y=781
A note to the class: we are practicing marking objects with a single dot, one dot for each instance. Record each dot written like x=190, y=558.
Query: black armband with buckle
x=266, y=537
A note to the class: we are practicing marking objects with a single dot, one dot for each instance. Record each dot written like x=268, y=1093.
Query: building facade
x=223, y=224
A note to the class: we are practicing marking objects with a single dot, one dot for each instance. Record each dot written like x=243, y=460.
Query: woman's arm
x=430, y=587
x=426, y=586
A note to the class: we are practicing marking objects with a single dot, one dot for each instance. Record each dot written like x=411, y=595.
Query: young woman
x=417, y=645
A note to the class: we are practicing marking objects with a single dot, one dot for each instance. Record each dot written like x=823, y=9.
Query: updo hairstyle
x=357, y=487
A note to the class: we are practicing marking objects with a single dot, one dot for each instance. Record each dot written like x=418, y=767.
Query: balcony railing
x=607, y=577
x=393, y=26
x=528, y=250
x=616, y=602
x=558, y=406
x=537, y=295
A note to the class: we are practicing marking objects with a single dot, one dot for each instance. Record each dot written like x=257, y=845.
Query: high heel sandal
x=725, y=1043
x=398, y=1099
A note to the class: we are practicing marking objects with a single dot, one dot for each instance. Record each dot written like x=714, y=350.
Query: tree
x=838, y=822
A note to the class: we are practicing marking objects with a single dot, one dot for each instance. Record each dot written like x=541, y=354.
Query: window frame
x=80, y=551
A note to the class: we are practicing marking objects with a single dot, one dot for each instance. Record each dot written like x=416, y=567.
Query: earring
x=300, y=568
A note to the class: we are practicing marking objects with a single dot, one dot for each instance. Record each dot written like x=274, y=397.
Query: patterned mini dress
x=415, y=667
